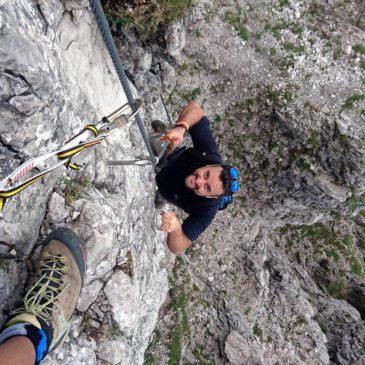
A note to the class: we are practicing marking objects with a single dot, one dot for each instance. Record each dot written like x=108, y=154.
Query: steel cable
x=112, y=49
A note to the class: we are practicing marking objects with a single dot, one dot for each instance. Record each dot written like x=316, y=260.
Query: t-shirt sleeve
x=196, y=224
x=202, y=136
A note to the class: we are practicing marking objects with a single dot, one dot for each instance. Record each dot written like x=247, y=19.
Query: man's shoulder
x=201, y=206
x=206, y=157
x=202, y=137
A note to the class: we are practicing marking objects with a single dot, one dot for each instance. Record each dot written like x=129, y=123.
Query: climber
x=43, y=321
x=194, y=179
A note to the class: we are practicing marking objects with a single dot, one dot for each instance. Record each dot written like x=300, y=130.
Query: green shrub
x=337, y=289
x=359, y=48
x=349, y=102
x=146, y=16
x=76, y=188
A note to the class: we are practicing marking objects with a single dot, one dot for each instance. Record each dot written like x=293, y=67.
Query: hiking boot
x=50, y=302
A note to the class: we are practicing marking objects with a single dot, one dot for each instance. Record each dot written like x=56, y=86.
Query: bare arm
x=177, y=242
x=190, y=115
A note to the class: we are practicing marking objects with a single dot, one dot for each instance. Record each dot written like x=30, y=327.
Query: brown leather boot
x=50, y=302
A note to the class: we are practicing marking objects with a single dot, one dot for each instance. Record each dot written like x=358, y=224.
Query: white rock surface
x=56, y=77
x=88, y=295
x=56, y=209
x=112, y=351
x=175, y=39
x=121, y=293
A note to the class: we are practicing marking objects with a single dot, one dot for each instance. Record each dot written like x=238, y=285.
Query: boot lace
x=41, y=299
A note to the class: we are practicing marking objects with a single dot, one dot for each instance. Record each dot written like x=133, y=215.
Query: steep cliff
x=56, y=77
x=279, y=277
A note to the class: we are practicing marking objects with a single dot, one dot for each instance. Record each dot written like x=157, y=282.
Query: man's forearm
x=177, y=242
x=191, y=114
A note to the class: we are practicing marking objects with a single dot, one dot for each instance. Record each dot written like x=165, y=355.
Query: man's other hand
x=170, y=223
x=177, y=135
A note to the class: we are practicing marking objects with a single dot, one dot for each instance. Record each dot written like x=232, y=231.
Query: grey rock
x=239, y=351
x=168, y=77
x=26, y=104
x=143, y=59
x=94, y=227
x=56, y=209
x=57, y=74
x=112, y=351
x=272, y=302
x=175, y=38
x=5, y=89
x=88, y=295
x=121, y=293
x=337, y=192
x=13, y=276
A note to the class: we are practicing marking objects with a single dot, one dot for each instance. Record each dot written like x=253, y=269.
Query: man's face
x=205, y=181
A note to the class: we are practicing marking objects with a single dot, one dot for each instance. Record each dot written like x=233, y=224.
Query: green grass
x=201, y=357
x=314, y=140
x=114, y=332
x=272, y=51
x=197, y=33
x=175, y=347
x=217, y=118
x=277, y=28
x=352, y=202
x=335, y=256
x=75, y=188
x=347, y=240
x=291, y=47
x=236, y=20
x=183, y=67
x=359, y=48
x=337, y=289
x=272, y=145
x=337, y=53
x=145, y=16
x=181, y=293
x=336, y=244
x=257, y=331
x=323, y=328
x=356, y=267
x=191, y=95
x=349, y=102
x=297, y=28
x=155, y=339
x=303, y=165
x=283, y=3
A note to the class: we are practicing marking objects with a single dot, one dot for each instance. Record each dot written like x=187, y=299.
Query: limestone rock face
x=56, y=77
x=57, y=211
x=112, y=352
x=175, y=39
x=119, y=289
x=278, y=277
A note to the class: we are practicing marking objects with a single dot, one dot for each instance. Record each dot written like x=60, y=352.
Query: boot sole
x=73, y=243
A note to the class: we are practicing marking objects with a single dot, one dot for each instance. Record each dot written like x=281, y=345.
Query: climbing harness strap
x=13, y=184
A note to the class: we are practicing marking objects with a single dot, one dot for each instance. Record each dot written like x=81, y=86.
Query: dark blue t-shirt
x=183, y=162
